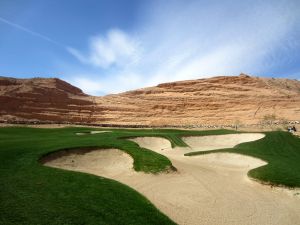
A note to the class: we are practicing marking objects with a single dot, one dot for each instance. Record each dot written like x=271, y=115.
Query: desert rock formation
x=222, y=100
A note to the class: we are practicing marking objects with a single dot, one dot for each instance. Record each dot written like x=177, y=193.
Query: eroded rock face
x=43, y=99
x=215, y=101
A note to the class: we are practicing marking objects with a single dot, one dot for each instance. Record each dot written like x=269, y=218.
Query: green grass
x=34, y=194
x=281, y=150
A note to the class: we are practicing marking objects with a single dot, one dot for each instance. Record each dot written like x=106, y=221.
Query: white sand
x=105, y=162
x=214, y=142
x=209, y=189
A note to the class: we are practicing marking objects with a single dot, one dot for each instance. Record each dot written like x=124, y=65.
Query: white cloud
x=188, y=40
x=116, y=48
x=87, y=85
x=95, y=85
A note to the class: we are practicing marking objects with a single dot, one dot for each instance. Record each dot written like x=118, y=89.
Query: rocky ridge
x=223, y=100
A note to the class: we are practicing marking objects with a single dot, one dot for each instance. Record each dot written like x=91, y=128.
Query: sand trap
x=231, y=160
x=208, y=189
x=214, y=142
x=91, y=132
x=154, y=143
x=104, y=162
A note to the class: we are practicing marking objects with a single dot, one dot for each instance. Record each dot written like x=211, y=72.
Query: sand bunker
x=207, y=189
x=91, y=132
x=214, y=142
x=156, y=144
x=104, y=162
x=231, y=160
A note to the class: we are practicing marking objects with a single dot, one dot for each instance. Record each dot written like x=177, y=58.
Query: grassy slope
x=34, y=194
x=282, y=152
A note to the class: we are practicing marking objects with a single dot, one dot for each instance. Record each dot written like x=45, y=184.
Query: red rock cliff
x=214, y=101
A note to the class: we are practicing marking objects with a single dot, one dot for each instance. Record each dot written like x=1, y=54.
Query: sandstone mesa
x=222, y=100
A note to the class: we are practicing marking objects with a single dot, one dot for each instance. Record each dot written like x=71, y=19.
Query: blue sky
x=110, y=46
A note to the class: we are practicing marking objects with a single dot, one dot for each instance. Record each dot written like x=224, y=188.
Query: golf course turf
x=34, y=194
x=281, y=150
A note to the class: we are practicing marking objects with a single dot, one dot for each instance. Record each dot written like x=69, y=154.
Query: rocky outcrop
x=41, y=99
x=223, y=100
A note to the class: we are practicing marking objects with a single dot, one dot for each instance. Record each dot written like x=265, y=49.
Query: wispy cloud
x=114, y=49
x=192, y=39
x=29, y=31
x=97, y=85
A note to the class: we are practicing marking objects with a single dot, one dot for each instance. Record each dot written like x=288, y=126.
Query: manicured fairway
x=34, y=194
